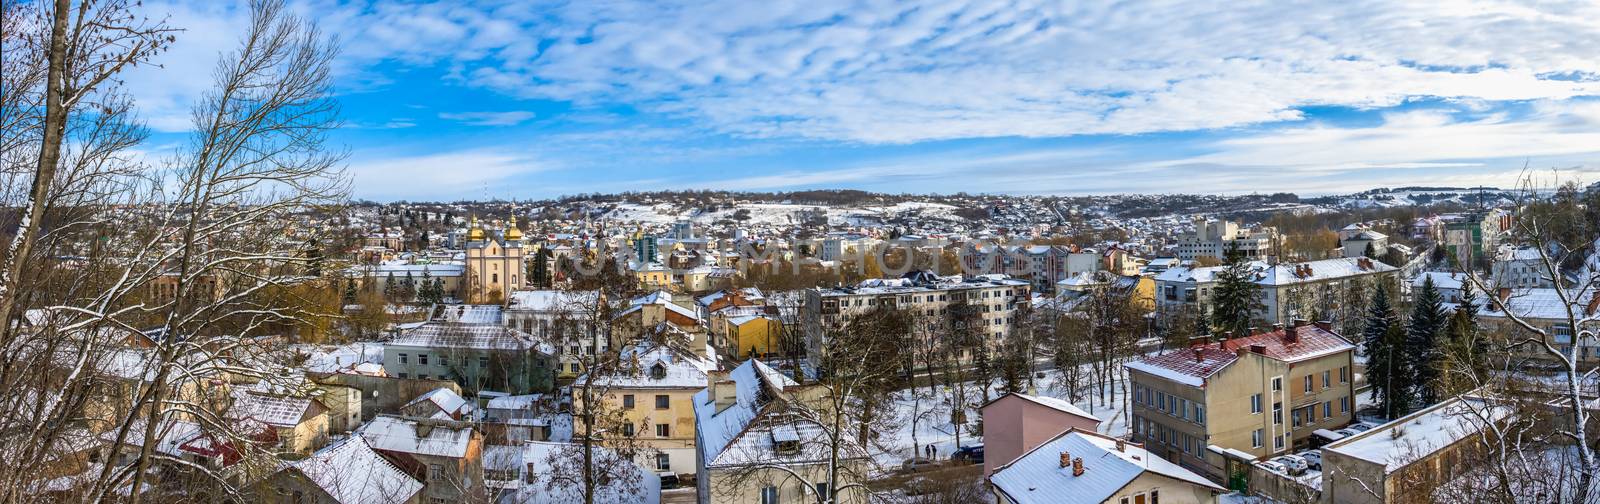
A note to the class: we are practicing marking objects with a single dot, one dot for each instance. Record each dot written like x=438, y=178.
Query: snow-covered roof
x=1539, y=303
x=755, y=385
x=1193, y=365
x=1398, y=443
x=469, y=336
x=1442, y=280
x=524, y=401
x=1037, y=476
x=643, y=487
x=659, y=366
x=274, y=410
x=469, y=314
x=1057, y=404
x=1283, y=273
x=551, y=300
x=352, y=473
x=448, y=401
x=423, y=437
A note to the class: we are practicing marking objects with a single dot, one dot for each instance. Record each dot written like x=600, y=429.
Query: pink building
x=1016, y=423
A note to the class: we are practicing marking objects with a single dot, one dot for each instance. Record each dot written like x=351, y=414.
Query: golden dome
x=474, y=231
x=512, y=233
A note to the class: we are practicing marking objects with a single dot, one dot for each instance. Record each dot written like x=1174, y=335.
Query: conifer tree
x=1422, y=354
x=408, y=288
x=1237, y=297
x=1384, y=344
x=1464, y=345
x=391, y=289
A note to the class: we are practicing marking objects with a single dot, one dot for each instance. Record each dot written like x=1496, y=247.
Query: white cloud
x=459, y=174
x=511, y=118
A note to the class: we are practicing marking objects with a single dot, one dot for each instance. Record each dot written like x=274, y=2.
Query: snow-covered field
x=933, y=426
x=778, y=213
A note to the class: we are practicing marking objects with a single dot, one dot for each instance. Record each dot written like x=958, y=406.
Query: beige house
x=346, y=472
x=657, y=400
x=494, y=266
x=301, y=423
x=1016, y=423
x=752, y=447
x=1541, y=308
x=1084, y=467
x=1216, y=407
x=447, y=456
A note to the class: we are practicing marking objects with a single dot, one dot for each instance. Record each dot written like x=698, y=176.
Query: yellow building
x=494, y=266
x=657, y=401
x=753, y=335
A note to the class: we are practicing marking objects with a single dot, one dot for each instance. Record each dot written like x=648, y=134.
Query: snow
x=352, y=473
x=277, y=411
x=1397, y=443
x=646, y=487
x=753, y=382
x=679, y=369
x=340, y=358
x=396, y=434
x=1168, y=374
x=449, y=403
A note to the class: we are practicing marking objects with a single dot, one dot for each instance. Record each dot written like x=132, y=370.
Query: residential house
x=751, y=447
x=1288, y=290
x=445, y=455
x=477, y=355
x=527, y=475
x=990, y=301
x=443, y=404
x=656, y=399
x=1213, y=238
x=562, y=318
x=1258, y=395
x=1543, y=309
x=1016, y=423
x=1520, y=268
x=1081, y=466
x=300, y=422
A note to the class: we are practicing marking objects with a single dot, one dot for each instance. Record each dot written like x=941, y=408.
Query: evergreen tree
x=438, y=290
x=1384, y=343
x=349, y=291
x=540, y=269
x=391, y=289
x=1465, y=348
x=1237, y=297
x=1422, y=354
x=1371, y=252
x=408, y=288
x=425, y=292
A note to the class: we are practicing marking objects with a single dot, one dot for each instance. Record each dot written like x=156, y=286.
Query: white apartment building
x=1288, y=290
x=994, y=298
x=1212, y=238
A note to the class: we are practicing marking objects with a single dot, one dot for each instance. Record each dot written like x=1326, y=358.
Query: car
x=915, y=464
x=1360, y=427
x=1347, y=432
x=1273, y=466
x=968, y=455
x=1296, y=465
x=1313, y=458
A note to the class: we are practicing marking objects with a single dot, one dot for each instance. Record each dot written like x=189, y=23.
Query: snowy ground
x=934, y=426
x=328, y=359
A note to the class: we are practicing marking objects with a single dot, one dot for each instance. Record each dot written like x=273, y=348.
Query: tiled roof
x=1194, y=364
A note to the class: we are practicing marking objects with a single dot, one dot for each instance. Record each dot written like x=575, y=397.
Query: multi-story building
x=1476, y=234
x=1085, y=467
x=1288, y=290
x=1215, y=407
x=1213, y=239
x=1520, y=268
x=474, y=350
x=657, y=402
x=445, y=455
x=991, y=301
x=562, y=318
x=1541, y=308
x=494, y=266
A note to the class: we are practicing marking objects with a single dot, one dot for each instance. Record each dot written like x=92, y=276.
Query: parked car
x=1347, y=432
x=669, y=480
x=1273, y=466
x=1360, y=427
x=1313, y=458
x=915, y=464
x=968, y=455
x=1296, y=465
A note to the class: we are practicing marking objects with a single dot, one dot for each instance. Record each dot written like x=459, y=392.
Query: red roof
x=1312, y=342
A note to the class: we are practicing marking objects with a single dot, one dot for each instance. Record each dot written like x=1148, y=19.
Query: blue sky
x=520, y=99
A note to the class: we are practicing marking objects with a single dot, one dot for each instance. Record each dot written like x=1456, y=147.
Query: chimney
x=1077, y=466
x=1291, y=335
x=1198, y=357
x=1299, y=322
x=1252, y=331
x=1260, y=349
x=1277, y=327
x=1326, y=325
x=1502, y=295
x=1122, y=446
x=1066, y=459
x=1227, y=335
x=725, y=392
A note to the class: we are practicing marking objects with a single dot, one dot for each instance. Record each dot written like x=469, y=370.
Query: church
x=494, y=264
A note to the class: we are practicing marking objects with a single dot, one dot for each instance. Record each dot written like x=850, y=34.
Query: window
x=627, y=401
x=1155, y=497
x=1277, y=413
x=822, y=489
x=1327, y=409
x=422, y=377
x=1295, y=416
x=663, y=430
x=1255, y=438
x=1255, y=404
x=1199, y=414
x=1184, y=411
x=627, y=429
x=1344, y=404
x=769, y=495
x=1344, y=374
x=662, y=401
x=435, y=471
x=1309, y=381
x=1327, y=378
x=1277, y=384
x=422, y=359
x=403, y=358
x=1277, y=442
x=403, y=376
x=663, y=462
x=483, y=362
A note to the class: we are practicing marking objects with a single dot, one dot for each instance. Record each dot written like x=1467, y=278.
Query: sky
x=530, y=99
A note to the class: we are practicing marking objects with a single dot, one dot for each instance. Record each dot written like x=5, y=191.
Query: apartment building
x=474, y=350
x=990, y=300
x=1213, y=238
x=1544, y=309
x=1520, y=268
x=657, y=401
x=1214, y=407
x=1288, y=290
x=562, y=318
